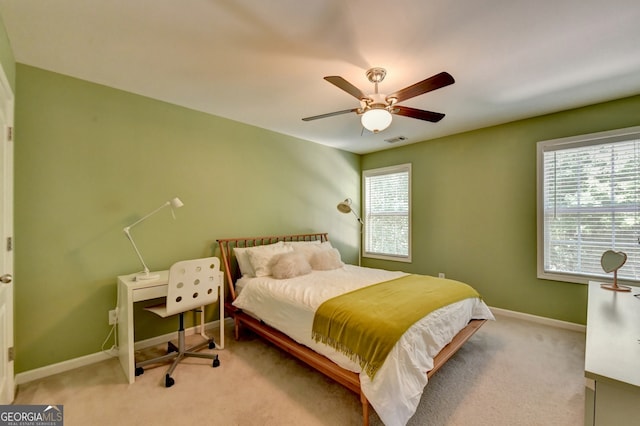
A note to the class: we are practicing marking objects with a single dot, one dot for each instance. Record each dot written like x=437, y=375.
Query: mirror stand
x=615, y=286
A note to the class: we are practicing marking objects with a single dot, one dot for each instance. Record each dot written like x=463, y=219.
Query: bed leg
x=365, y=409
x=236, y=327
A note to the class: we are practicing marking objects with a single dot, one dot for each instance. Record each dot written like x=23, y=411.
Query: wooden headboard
x=230, y=265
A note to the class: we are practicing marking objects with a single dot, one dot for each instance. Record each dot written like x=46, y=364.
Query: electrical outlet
x=440, y=274
x=113, y=317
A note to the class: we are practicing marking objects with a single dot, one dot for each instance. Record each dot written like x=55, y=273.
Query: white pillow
x=260, y=256
x=309, y=249
x=289, y=265
x=301, y=243
x=242, y=257
x=325, y=260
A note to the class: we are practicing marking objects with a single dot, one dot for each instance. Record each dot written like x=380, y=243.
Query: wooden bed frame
x=345, y=377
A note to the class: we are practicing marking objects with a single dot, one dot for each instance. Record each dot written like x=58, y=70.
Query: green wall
x=474, y=207
x=90, y=160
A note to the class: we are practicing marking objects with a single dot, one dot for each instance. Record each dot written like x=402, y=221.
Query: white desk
x=131, y=291
x=612, y=357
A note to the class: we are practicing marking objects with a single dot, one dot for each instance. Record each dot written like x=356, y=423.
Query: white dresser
x=612, y=357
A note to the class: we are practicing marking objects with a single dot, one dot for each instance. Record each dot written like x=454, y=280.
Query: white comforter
x=289, y=305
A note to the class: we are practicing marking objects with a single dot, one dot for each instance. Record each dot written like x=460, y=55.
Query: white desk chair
x=192, y=284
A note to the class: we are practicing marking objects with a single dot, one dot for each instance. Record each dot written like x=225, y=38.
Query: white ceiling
x=263, y=62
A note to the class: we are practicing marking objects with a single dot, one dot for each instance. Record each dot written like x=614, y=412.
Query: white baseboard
x=540, y=320
x=61, y=367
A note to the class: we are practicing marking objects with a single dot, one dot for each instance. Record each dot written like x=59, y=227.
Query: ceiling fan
x=376, y=108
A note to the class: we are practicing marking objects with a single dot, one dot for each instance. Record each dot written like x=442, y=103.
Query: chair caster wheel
x=168, y=381
x=212, y=344
x=139, y=371
x=171, y=348
x=216, y=362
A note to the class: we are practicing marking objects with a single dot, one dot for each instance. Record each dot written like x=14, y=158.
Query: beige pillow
x=325, y=260
x=260, y=256
x=289, y=265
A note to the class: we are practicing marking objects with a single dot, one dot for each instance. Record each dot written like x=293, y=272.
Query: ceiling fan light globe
x=376, y=120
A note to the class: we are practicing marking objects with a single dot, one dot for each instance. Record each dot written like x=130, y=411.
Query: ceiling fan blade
x=427, y=85
x=420, y=114
x=330, y=114
x=343, y=84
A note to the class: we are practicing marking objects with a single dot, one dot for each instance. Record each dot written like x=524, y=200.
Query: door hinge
x=11, y=354
x=10, y=133
x=9, y=243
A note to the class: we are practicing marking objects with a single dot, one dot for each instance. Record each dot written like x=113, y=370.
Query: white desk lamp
x=345, y=207
x=145, y=275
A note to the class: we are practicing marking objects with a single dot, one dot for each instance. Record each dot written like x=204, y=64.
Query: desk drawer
x=152, y=292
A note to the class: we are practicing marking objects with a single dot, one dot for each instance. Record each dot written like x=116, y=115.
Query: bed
x=281, y=303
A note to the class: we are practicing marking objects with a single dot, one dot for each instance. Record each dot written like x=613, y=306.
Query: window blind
x=387, y=212
x=591, y=196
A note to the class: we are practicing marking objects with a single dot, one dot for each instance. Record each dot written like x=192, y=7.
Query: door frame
x=7, y=384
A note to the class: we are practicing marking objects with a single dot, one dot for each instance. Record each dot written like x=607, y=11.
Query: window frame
x=400, y=168
x=607, y=137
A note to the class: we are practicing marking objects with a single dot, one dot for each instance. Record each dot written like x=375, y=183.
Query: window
x=387, y=213
x=589, y=202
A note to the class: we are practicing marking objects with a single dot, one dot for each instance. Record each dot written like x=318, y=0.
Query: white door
x=6, y=241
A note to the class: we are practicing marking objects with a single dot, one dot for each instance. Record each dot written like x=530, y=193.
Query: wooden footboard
x=346, y=378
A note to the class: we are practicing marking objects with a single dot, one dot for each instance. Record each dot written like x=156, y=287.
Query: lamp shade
x=345, y=206
x=176, y=203
x=376, y=119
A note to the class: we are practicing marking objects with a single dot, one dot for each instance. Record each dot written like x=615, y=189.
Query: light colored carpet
x=512, y=372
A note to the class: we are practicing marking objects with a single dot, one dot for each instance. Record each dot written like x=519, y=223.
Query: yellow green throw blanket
x=366, y=323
